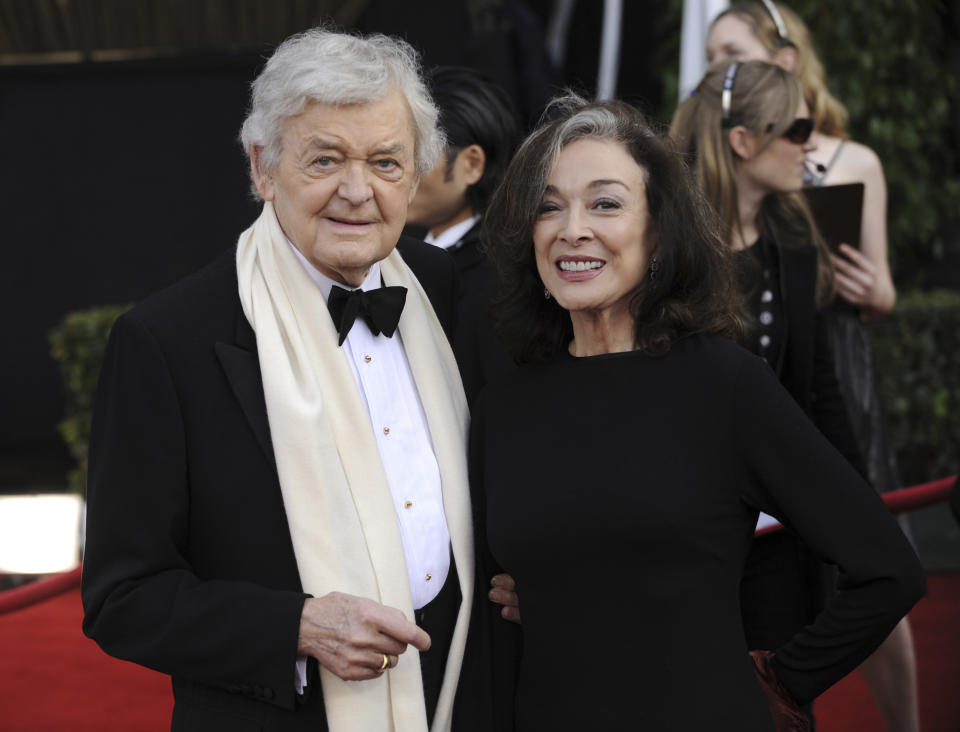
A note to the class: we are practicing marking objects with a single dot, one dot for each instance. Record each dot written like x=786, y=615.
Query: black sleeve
x=796, y=475
x=142, y=598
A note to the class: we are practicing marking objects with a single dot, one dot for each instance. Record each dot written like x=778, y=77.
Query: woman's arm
x=794, y=474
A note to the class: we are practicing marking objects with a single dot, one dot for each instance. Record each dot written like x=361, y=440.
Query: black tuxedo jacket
x=481, y=354
x=189, y=566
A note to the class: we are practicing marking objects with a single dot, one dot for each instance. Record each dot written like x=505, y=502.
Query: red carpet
x=848, y=706
x=55, y=680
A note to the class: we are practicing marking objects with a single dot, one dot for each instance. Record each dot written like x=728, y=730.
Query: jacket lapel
x=242, y=367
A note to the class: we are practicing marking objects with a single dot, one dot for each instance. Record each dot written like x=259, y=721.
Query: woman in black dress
x=618, y=475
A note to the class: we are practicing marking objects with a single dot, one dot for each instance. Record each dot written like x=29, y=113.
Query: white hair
x=324, y=66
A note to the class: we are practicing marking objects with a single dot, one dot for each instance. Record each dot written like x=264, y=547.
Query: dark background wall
x=118, y=180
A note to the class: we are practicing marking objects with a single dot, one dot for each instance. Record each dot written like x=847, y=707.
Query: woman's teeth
x=568, y=266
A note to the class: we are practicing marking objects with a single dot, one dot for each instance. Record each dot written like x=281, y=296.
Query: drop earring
x=546, y=294
x=654, y=267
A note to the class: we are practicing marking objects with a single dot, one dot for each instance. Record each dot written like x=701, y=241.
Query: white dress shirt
x=451, y=237
x=383, y=376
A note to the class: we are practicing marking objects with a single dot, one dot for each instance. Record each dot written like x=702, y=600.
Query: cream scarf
x=335, y=492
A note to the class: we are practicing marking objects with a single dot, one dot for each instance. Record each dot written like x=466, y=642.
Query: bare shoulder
x=856, y=162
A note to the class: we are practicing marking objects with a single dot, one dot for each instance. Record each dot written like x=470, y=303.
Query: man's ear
x=741, y=141
x=786, y=58
x=413, y=189
x=261, y=181
x=473, y=161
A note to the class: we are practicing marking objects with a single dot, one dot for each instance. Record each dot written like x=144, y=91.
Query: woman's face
x=731, y=39
x=778, y=167
x=590, y=237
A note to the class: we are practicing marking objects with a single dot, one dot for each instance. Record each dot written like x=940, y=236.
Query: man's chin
x=352, y=270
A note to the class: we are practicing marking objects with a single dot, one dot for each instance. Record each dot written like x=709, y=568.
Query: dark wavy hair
x=475, y=110
x=694, y=288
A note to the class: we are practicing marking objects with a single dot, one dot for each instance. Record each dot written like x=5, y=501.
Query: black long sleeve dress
x=621, y=492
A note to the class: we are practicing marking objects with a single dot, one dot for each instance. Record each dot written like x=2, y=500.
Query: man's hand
x=504, y=593
x=350, y=635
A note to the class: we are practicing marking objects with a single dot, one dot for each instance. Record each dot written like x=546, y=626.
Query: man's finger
x=382, y=661
x=388, y=644
x=503, y=581
x=395, y=625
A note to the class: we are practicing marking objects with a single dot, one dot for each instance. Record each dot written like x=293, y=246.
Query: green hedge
x=77, y=344
x=887, y=61
x=917, y=349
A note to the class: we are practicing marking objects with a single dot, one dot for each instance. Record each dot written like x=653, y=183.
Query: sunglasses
x=800, y=130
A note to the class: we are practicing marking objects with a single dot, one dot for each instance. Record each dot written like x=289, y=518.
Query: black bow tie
x=380, y=308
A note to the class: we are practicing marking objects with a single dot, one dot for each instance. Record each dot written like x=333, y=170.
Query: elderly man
x=278, y=507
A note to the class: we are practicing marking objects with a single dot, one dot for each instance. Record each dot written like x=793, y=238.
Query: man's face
x=441, y=199
x=343, y=183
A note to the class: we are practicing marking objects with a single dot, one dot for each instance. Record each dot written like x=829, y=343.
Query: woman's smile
x=576, y=268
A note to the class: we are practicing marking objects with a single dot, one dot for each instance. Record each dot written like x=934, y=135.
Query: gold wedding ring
x=385, y=665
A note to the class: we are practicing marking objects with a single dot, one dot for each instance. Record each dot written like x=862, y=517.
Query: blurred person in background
x=482, y=131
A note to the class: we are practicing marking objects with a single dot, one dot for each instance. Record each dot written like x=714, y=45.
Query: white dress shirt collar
x=452, y=236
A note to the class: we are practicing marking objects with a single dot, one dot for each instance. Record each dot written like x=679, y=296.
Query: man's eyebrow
x=394, y=149
x=319, y=143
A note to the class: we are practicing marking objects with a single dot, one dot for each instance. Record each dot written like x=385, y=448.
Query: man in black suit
x=278, y=514
x=481, y=128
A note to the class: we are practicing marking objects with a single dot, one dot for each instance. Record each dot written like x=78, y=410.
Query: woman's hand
x=504, y=593
x=787, y=714
x=857, y=281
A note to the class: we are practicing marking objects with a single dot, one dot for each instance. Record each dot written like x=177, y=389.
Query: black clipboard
x=837, y=212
